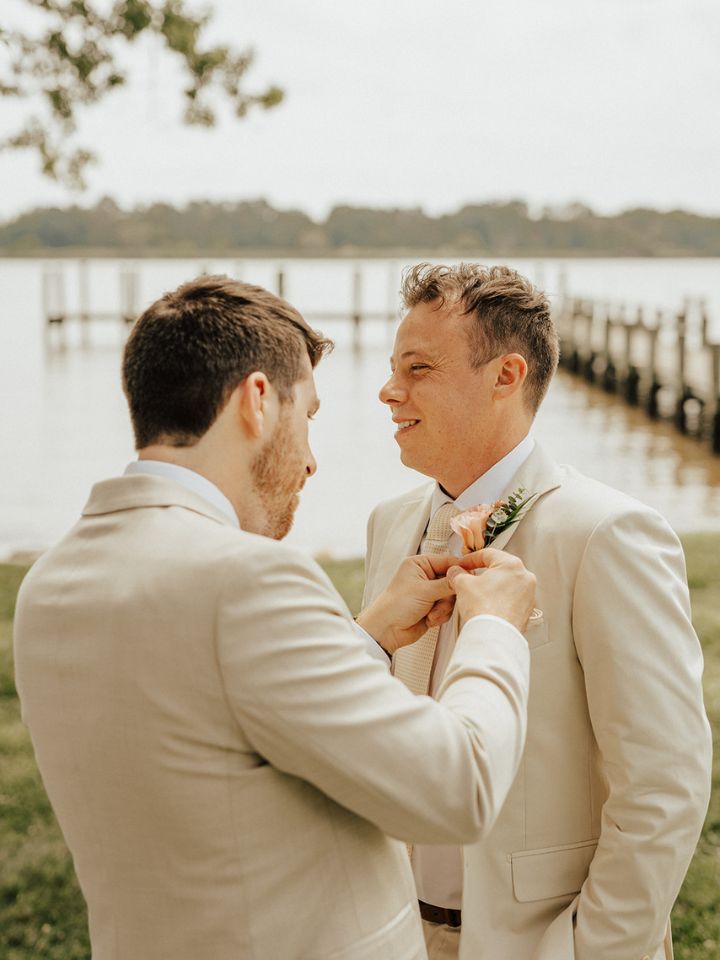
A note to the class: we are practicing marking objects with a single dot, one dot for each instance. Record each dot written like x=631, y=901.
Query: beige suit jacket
x=226, y=762
x=602, y=820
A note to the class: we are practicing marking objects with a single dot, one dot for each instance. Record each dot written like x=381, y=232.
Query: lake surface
x=64, y=425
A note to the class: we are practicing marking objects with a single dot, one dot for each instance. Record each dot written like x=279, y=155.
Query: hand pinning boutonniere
x=479, y=526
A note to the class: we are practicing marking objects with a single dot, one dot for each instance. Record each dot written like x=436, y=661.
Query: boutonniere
x=479, y=526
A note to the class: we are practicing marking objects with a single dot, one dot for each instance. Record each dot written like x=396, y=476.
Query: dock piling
x=84, y=302
x=356, y=313
x=715, y=396
x=682, y=393
x=654, y=384
x=128, y=295
x=53, y=295
x=609, y=377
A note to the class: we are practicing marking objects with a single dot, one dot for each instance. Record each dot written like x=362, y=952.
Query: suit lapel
x=411, y=523
x=538, y=475
x=403, y=538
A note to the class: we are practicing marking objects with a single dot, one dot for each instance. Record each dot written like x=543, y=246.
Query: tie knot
x=439, y=529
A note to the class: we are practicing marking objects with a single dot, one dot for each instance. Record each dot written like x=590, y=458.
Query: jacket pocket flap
x=536, y=632
x=551, y=872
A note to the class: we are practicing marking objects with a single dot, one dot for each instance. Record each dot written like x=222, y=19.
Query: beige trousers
x=443, y=942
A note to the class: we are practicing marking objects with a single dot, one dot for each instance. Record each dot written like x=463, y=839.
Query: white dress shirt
x=205, y=488
x=439, y=869
x=189, y=479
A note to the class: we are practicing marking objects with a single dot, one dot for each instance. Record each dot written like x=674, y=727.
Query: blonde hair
x=510, y=315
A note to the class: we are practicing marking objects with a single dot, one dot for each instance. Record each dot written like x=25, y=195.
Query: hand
x=418, y=597
x=505, y=589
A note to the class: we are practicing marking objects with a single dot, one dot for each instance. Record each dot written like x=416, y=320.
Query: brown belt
x=439, y=914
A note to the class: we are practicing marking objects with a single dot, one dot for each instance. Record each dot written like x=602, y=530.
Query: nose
x=391, y=392
x=311, y=467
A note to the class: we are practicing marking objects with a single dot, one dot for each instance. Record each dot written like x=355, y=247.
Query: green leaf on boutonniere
x=506, y=513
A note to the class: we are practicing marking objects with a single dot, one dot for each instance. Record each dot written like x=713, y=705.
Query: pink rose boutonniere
x=479, y=526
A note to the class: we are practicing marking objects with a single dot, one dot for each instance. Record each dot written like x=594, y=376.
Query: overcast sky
x=419, y=103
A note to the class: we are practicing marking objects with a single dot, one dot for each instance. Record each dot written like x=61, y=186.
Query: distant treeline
x=508, y=228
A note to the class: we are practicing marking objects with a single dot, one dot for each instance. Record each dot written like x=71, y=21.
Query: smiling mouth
x=403, y=426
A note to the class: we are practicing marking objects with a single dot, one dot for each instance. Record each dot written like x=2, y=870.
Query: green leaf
x=73, y=64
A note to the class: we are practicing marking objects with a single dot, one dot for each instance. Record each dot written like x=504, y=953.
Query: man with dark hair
x=182, y=362
x=225, y=760
x=592, y=844
x=196, y=344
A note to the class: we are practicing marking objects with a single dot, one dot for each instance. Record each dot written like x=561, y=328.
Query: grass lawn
x=42, y=913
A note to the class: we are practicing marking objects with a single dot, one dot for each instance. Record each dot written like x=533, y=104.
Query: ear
x=511, y=375
x=256, y=402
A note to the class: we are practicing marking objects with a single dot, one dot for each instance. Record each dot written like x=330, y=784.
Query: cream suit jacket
x=602, y=820
x=226, y=762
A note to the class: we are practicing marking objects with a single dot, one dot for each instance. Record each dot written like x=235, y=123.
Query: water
x=64, y=422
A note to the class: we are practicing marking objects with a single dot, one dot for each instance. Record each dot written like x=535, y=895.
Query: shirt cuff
x=491, y=616
x=371, y=645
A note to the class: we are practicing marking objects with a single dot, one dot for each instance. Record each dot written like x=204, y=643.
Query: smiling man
x=594, y=840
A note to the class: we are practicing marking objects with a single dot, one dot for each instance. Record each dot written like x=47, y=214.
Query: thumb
x=437, y=589
x=453, y=574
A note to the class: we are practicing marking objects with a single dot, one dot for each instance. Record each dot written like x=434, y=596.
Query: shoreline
x=354, y=253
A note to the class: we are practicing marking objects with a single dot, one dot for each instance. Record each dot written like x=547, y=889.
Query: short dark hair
x=191, y=348
x=510, y=314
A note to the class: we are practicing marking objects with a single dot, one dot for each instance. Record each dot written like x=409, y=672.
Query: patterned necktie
x=413, y=664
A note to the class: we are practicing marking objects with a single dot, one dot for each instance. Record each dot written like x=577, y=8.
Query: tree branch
x=72, y=64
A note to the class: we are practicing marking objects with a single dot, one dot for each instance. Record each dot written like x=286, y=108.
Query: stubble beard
x=278, y=474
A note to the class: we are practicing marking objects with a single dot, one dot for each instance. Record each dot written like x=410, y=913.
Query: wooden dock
x=665, y=363
x=58, y=318
x=57, y=315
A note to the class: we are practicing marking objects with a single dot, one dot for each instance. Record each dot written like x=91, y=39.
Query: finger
x=437, y=565
x=417, y=631
x=455, y=576
x=474, y=560
x=437, y=619
x=442, y=611
x=489, y=557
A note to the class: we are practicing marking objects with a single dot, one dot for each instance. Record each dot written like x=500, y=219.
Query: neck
x=230, y=475
x=479, y=462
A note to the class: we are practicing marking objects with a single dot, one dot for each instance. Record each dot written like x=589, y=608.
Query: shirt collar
x=189, y=479
x=492, y=484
